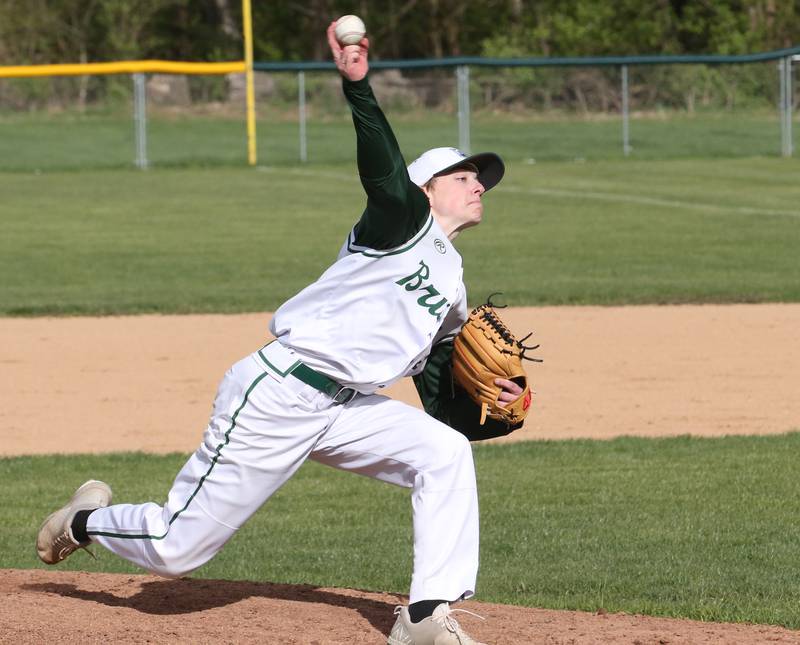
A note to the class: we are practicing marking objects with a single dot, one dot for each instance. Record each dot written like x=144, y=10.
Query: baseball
x=350, y=30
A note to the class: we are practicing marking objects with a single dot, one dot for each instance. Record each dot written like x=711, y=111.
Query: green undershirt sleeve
x=446, y=401
x=396, y=208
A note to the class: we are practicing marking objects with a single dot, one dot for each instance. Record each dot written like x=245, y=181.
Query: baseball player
x=388, y=307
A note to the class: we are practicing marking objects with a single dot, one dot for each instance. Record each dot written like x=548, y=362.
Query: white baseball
x=350, y=30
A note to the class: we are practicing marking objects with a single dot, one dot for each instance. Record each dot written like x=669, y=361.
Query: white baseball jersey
x=373, y=316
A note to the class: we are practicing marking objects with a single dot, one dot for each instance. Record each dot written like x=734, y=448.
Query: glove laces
x=490, y=318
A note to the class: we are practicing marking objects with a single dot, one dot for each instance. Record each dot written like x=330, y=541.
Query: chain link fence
x=571, y=110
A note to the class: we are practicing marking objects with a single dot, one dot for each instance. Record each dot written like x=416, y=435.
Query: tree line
x=72, y=31
x=59, y=31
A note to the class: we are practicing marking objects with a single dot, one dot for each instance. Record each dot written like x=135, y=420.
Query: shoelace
x=65, y=546
x=451, y=624
x=448, y=622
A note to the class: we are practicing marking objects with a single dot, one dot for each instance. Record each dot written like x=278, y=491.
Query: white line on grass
x=574, y=194
x=647, y=201
x=308, y=172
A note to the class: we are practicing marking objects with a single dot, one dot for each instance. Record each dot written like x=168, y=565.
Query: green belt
x=336, y=391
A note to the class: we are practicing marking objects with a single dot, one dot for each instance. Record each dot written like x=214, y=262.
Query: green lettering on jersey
x=433, y=307
x=421, y=274
x=414, y=282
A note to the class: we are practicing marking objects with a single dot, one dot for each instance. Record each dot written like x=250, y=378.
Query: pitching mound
x=69, y=607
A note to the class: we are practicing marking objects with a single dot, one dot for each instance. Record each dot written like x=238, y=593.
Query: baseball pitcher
x=389, y=307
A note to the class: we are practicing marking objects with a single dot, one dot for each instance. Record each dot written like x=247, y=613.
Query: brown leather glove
x=485, y=349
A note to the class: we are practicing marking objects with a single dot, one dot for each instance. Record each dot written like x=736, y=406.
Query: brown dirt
x=146, y=383
x=69, y=607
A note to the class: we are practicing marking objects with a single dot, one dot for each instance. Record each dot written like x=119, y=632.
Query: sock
x=422, y=609
x=79, y=525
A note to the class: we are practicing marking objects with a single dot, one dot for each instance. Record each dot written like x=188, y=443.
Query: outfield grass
x=238, y=239
x=690, y=527
x=47, y=142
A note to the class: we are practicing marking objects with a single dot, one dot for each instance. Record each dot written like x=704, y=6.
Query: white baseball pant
x=263, y=426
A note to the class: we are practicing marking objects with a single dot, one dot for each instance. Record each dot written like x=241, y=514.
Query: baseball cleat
x=439, y=629
x=55, y=541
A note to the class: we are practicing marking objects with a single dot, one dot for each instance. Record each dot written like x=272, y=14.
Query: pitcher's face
x=455, y=198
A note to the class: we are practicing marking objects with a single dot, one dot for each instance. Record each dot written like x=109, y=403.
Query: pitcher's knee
x=449, y=462
x=454, y=447
x=176, y=560
x=172, y=567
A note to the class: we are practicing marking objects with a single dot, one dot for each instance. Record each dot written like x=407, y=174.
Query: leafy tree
x=53, y=31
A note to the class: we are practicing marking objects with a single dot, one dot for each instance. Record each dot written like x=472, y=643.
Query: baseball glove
x=485, y=349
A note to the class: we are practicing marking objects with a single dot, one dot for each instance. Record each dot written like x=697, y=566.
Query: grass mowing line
x=647, y=201
x=571, y=194
x=130, y=242
x=308, y=172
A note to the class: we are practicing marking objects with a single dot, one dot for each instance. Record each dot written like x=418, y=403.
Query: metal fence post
x=301, y=97
x=462, y=82
x=786, y=101
x=782, y=104
x=789, y=147
x=626, y=148
x=140, y=119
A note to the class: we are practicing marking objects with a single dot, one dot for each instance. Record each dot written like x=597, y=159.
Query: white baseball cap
x=439, y=160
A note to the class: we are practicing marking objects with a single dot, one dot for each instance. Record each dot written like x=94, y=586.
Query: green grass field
x=697, y=528
x=240, y=239
x=68, y=141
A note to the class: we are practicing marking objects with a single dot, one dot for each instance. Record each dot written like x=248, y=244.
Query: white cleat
x=55, y=540
x=439, y=629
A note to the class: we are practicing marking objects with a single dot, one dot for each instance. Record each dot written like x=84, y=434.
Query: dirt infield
x=147, y=382
x=74, y=385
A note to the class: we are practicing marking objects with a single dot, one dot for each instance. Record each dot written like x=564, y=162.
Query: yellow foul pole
x=247, y=18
